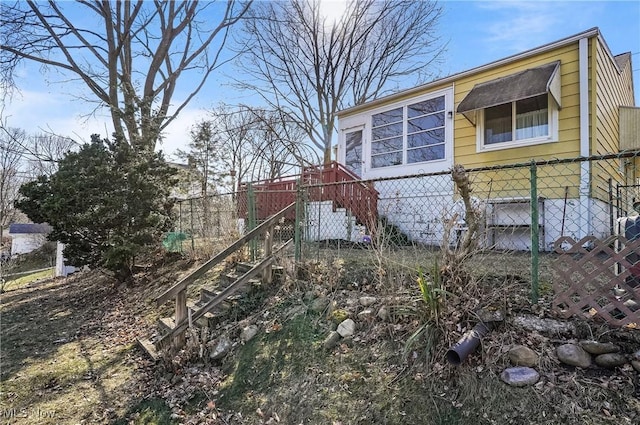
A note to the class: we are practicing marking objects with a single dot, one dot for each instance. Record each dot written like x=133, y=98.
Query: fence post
x=298, y=222
x=193, y=244
x=181, y=315
x=267, y=274
x=611, y=219
x=251, y=218
x=535, y=233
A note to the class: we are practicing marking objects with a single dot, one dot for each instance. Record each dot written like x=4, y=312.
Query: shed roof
x=29, y=228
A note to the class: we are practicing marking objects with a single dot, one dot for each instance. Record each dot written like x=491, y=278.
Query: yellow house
x=567, y=99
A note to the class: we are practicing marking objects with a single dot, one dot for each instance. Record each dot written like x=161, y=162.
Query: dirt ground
x=68, y=349
x=69, y=357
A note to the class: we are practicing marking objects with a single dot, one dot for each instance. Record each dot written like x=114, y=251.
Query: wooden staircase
x=213, y=301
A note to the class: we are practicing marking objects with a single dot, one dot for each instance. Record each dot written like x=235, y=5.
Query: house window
x=520, y=122
x=409, y=134
x=387, y=138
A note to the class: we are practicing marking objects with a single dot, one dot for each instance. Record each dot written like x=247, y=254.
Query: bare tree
x=258, y=143
x=11, y=160
x=310, y=67
x=134, y=57
x=277, y=144
x=43, y=151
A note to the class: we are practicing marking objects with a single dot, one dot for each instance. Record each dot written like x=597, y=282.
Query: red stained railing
x=329, y=182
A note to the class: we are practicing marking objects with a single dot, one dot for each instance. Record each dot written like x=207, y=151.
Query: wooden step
x=243, y=267
x=207, y=295
x=210, y=318
x=229, y=278
x=195, y=306
x=166, y=324
x=149, y=348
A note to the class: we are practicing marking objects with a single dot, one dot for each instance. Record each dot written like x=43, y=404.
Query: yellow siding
x=608, y=89
x=465, y=151
x=613, y=89
x=552, y=180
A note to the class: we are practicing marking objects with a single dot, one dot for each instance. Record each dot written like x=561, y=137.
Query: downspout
x=467, y=344
x=585, y=180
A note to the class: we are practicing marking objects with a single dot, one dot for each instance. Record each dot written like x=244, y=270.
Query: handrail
x=182, y=326
x=332, y=181
x=341, y=169
x=171, y=293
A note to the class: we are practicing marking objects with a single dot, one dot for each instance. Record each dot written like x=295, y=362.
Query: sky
x=475, y=33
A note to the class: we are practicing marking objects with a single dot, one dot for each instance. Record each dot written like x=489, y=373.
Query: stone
x=610, y=360
x=573, y=355
x=490, y=316
x=636, y=355
x=366, y=314
x=523, y=356
x=546, y=326
x=339, y=315
x=367, y=301
x=520, y=376
x=331, y=340
x=383, y=314
x=248, y=333
x=595, y=347
x=636, y=365
x=221, y=349
x=632, y=305
x=295, y=311
x=319, y=304
x=346, y=328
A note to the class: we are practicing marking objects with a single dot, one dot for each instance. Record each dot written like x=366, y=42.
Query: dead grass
x=68, y=349
x=68, y=356
x=20, y=281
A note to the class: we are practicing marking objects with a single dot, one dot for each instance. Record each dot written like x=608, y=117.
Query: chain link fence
x=524, y=210
x=204, y=225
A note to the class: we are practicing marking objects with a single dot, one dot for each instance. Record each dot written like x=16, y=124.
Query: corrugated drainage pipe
x=466, y=344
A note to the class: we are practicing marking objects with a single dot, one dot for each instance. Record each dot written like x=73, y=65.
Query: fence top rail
x=555, y=161
x=186, y=281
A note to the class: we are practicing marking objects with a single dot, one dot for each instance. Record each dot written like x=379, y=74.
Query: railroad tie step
x=195, y=306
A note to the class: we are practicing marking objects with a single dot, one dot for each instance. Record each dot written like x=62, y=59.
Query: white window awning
x=528, y=83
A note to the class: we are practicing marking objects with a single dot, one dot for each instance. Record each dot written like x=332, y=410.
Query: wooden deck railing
x=329, y=182
x=346, y=190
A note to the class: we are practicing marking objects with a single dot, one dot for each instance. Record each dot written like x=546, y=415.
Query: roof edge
x=592, y=32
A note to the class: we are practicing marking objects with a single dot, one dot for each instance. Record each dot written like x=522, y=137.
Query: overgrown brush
x=455, y=258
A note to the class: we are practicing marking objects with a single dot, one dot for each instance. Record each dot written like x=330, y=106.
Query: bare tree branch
x=10, y=179
x=133, y=62
x=311, y=68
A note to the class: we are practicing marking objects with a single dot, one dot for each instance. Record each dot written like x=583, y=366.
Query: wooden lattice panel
x=598, y=279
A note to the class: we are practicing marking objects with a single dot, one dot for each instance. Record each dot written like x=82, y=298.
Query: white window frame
x=418, y=167
x=552, y=137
